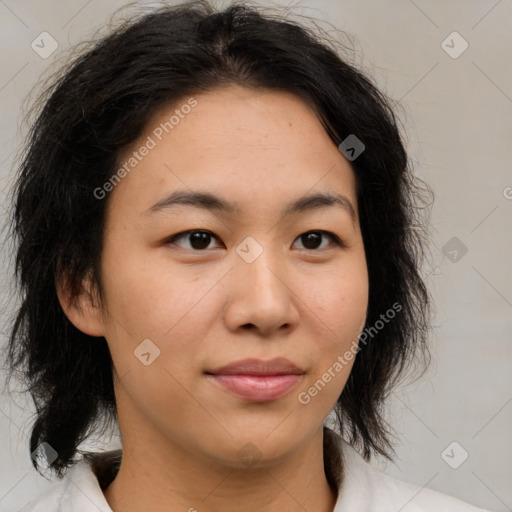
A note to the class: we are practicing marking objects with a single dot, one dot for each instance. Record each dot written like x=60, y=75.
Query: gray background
x=456, y=115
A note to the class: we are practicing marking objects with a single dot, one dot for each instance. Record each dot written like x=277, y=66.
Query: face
x=191, y=288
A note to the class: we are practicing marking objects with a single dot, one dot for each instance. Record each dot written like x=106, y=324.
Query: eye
x=312, y=239
x=199, y=240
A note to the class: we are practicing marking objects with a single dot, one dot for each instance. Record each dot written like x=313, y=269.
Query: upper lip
x=277, y=366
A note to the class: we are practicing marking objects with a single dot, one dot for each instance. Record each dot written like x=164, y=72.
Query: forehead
x=257, y=146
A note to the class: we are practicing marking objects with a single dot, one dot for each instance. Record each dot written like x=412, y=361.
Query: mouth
x=255, y=380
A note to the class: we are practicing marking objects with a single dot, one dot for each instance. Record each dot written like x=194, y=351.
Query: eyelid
x=182, y=234
x=335, y=239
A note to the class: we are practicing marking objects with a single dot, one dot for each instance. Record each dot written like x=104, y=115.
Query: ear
x=84, y=311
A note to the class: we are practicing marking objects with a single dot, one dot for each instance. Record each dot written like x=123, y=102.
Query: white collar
x=363, y=487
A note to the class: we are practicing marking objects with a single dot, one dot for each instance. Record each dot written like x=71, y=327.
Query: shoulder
x=365, y=487
x=51, y=499
x=78, y=491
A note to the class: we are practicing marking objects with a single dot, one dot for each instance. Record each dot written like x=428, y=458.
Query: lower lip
x=258, y=388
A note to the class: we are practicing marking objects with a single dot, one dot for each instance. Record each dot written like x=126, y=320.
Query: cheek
x=154, y=302
x=148, y=295
x=338, y=312
x=338, y=302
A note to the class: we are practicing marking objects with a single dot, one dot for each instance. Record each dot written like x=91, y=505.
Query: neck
x=150, y=479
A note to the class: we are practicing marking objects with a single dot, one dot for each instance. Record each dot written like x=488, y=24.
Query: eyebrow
x=208, y=201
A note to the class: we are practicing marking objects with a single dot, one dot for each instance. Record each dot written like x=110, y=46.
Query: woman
x=174, y=182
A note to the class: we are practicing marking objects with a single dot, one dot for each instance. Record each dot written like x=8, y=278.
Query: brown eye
x=198, y=239
x=312, y=240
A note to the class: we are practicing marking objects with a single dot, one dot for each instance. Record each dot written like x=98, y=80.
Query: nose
x=261, y=296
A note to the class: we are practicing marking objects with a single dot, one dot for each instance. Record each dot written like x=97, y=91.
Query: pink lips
x=256, y=380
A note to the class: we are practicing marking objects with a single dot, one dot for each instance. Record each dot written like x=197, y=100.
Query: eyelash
x=183, y=234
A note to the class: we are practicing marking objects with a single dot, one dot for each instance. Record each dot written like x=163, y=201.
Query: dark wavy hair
x=100, y=102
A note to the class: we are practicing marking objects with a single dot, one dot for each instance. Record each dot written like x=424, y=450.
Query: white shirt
x=364, y=488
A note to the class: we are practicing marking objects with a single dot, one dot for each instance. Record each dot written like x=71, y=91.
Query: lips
x=255, y=380
x=277, y=366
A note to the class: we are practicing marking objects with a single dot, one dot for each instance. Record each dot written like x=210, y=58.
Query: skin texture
x=182, y=434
